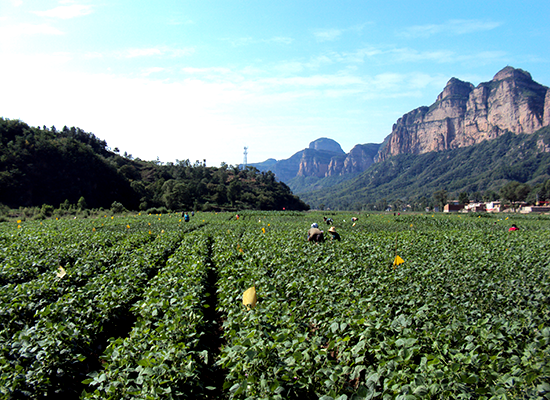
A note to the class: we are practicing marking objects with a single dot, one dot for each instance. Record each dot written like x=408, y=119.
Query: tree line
x=69, y=167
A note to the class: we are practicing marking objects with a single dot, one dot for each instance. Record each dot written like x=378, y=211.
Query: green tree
x=81, y=204
x=515, y=192
x=234, y=191
x=381, y=205
x=440, y=198
x=463, y=198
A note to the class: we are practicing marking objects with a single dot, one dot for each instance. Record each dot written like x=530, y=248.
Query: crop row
x=64, y=343
x=161, y=356
x=465, y=316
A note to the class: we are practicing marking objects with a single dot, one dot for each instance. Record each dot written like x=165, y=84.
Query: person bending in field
x=333, y=234
x=513, y=228
x=314, y=234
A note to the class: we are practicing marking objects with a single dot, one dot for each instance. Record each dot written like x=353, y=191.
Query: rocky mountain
x=323, y=158
x=357, y=160
x=461, y=116
x=464, y=115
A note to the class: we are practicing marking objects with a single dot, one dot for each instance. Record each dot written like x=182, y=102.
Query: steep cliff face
x=316, y=159
x=464, y=115
x=314, y=163
x=546, y=121
x=357, y=160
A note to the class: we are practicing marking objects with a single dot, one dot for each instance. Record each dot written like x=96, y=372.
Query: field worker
x=333, y=234
x=186, y=217
x=513, y=228
x=314, y=234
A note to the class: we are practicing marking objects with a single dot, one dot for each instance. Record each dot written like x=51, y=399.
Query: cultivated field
x=149, y=306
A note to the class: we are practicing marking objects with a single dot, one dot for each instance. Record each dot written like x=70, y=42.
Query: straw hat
x=332, y=229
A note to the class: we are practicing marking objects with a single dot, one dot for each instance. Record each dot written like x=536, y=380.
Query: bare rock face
x=464, y=115
x=314, y=163
x=326, y=144
x=357, y=160
x=546, y=121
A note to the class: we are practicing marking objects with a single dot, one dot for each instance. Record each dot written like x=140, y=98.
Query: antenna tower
x=245, y=154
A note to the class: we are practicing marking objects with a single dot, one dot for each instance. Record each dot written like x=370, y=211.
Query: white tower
x=245, y=154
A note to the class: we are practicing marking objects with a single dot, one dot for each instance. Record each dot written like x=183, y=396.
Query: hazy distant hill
x=322, y=164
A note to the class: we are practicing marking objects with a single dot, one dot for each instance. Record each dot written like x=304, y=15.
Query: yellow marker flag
x=249, y=298
x=61, y=272
x=398, y=260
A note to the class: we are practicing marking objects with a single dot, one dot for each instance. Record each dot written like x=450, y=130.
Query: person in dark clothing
x=333, y=234
x=314, y=234
x=186, y=217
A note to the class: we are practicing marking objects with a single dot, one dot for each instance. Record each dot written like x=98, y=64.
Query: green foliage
x=138, y=310
x=515, y=192
x=47, y=166
x=477, y=169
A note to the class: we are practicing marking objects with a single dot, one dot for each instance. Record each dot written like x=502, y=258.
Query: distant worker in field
x=513, y=228
x=314, y=234
x=354, y=219
x=333, y=234
x=237, y=216
x=328, y=221
x=186, y=217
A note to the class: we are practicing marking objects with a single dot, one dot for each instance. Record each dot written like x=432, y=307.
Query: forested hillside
x=479, y=170
x=69, y=166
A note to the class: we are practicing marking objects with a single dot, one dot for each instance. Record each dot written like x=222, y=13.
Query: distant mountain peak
x=326, y=144
x=509, y=72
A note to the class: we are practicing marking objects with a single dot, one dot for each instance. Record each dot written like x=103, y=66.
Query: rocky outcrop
x=314, y=163
x=326, y=144
x=323, y=158
x=357, y=160
x=546, y=121
x=464, y=115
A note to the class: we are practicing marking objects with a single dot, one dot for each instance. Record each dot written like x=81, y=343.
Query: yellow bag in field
x=249, y=298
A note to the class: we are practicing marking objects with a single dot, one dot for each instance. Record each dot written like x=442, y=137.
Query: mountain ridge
x=462, y=115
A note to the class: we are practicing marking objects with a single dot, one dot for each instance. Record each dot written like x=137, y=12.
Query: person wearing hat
x=333, y=234
x=314, y=234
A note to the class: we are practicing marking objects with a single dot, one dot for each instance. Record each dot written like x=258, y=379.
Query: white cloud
x=12, y=31
x=16, y=3
x=131, y=53
x=66, y=12
x=153, y=70
x=281, y=39
x=247, y=41
x=452, y=27
x=324, y=35
x=207, y=71
x=156, y=51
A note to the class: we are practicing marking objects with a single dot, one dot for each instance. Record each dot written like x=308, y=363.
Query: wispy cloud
x=156, y=51
x=452, y=27
x=28, y=30
x=331, y=34
x=246, y=41
x=66, y=12
x=153, y=70
x=327, y=35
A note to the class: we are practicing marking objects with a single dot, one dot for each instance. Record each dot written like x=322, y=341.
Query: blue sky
x=196, y=80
